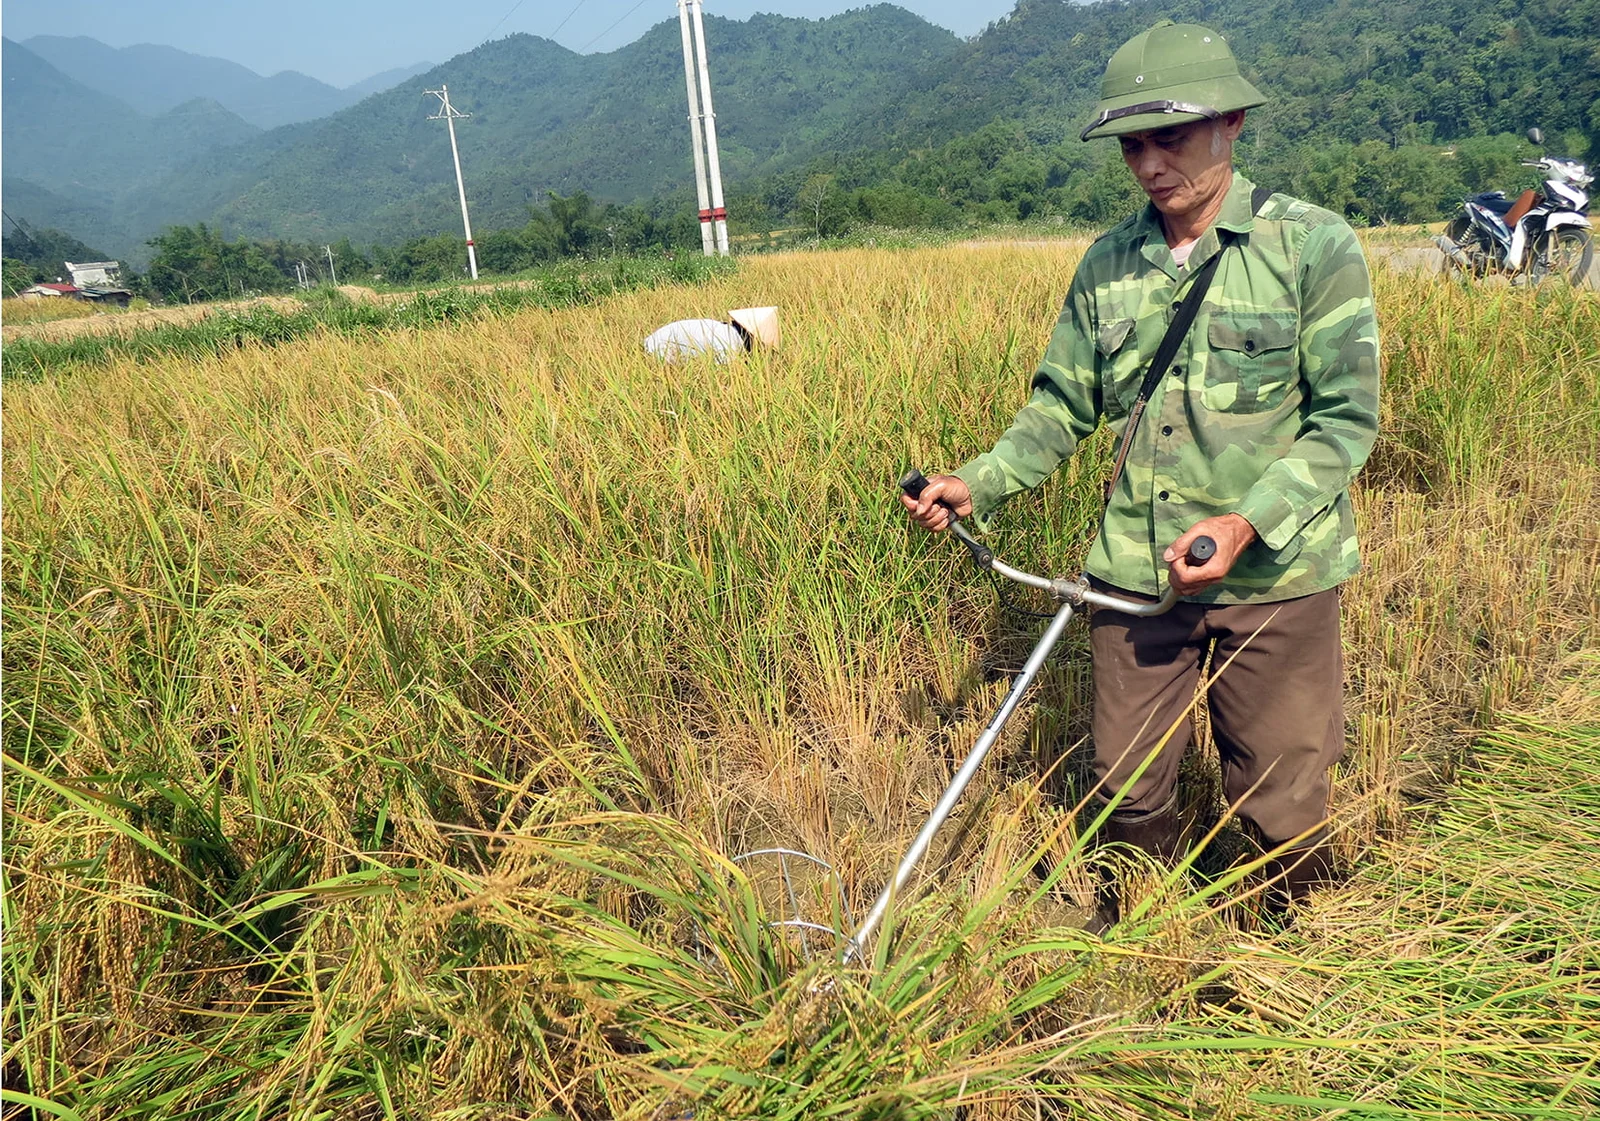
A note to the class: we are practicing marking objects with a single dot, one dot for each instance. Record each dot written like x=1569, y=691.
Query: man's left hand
x=1231, y=533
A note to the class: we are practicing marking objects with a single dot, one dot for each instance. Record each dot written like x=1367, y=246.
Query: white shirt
x=689, y=337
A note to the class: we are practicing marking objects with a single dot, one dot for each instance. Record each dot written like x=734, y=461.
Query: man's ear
x=1232, y=123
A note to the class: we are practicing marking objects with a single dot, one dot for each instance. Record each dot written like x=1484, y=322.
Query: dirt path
x=127, y=322
x=1401, y=258
x=1429, y=259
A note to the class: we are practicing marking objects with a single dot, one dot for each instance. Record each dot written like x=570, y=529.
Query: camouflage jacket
x=1268, y=410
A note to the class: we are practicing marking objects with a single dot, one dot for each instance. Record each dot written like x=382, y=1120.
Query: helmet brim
x=1118, y=116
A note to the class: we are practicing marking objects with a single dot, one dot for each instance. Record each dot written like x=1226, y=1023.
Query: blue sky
x=344, y=41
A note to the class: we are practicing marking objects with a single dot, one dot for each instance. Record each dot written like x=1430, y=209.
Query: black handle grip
x=1201, y=549
x=913, y=482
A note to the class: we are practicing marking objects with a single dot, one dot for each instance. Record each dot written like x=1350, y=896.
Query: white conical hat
x=761, y=322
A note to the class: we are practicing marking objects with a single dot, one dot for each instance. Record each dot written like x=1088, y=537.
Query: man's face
x=1183, y=168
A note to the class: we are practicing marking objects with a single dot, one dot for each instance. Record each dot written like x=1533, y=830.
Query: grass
x=382, y=713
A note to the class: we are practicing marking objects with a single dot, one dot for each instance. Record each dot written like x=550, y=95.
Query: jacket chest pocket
x=1115, y=341
x=1252, y=361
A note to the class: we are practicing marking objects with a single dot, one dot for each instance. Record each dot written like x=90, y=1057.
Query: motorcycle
x=1543, y=234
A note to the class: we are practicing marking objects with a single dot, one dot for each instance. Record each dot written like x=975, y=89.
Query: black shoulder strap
x=1182, y=320
x=1190, y=307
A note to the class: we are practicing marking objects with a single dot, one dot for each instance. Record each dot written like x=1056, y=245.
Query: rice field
x=15, y=311
x=383, y=713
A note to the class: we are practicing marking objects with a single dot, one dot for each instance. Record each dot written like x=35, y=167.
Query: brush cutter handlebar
x=1075, y=592
x=1071, y=594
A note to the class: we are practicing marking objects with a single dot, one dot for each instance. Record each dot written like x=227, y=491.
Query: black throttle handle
x=1201, y=549
x=913, y=483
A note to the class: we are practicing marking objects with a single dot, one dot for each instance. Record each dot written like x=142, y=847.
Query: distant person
x=688, y=338
x=1252, y=436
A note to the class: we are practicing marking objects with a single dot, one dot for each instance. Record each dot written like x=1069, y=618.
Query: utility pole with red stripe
x=708, y=237
x=703, y=128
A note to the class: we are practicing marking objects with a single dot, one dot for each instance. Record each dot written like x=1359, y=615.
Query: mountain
x=1350, y=70
x=46, y=251
x=875, y=96
x=62, y=134
x=155, y=79
x=93, y=222
x=385, y=81
x=74, y=157
x=545, y=118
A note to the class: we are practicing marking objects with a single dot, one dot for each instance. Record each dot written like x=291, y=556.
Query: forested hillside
x=1383, y=109
x=63, y=135
x=1377, y=109
x=545, y=118
x=1351, y=70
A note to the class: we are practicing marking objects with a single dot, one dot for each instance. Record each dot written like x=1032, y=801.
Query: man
x=1253, y=435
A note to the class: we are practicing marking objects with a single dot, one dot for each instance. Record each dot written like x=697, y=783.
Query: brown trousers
x=1277, y=712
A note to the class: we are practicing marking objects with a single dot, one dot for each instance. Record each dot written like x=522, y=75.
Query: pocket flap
x=1251, y=335
x=1109, y=339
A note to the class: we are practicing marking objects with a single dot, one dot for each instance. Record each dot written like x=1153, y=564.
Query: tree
x=193, y=263
x=46, y=251
x=18, y=275
x=823, y=205
x=423, y=260
x=503, y=251
x=351, y=261
x=568, y=224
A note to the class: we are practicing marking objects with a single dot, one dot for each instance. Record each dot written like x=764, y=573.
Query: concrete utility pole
x=328, y=249
x=708, y=237
x=717, y=213
x=449, y=114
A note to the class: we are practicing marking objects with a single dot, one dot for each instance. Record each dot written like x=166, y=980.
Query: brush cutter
x=1071, y=595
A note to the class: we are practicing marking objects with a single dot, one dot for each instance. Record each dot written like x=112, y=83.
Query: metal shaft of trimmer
x=952, y=794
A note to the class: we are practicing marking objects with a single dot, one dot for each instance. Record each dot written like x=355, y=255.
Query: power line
x=519, y=4
x=503, y=19
x=569, y=15
x=613, y=27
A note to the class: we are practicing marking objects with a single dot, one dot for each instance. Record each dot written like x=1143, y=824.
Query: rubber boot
x=1285, y=881
x=1294, y=875
x=1164, y=834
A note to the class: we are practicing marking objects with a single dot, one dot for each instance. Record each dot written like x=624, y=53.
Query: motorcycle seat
x=1523, y=204
x=1493, y=200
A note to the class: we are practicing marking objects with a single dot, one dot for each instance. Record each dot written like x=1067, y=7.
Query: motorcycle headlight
x=1567, y=194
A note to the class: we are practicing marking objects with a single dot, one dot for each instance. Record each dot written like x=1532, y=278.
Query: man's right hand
x=932, y=510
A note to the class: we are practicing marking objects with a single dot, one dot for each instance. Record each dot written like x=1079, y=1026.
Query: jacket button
x=1249, y=344
x=1166, y=429
x=1163, y=496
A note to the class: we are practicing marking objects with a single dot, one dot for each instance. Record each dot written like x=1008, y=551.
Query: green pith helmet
x=1169, y=75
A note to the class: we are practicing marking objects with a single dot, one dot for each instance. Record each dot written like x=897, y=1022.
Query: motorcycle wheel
x=1461, y=232
x=1562, y=254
